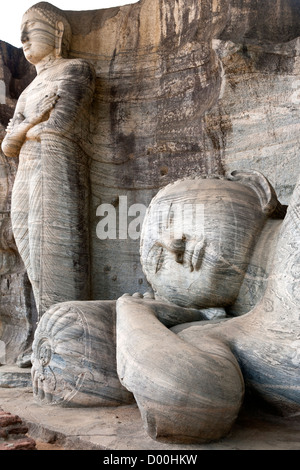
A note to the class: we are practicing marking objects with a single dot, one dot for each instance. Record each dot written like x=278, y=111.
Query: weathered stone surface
x=13, y=433
x=256, y=115
x=183, y=88
x=181, y=392
x=15, y=74
x=177, y=379
x=6, y=419
x=187, y=254
x=120, y=428
x=12, y=376
x=176, y=82
x=74, y=356
x=48, y=132
x=183, y=80
x=25, y=443
x=211, y=221
x=17, y=309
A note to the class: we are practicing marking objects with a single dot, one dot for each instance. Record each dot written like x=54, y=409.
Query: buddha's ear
x=263, y=188
x=59, y=32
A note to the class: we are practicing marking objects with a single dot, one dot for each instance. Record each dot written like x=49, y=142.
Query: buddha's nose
x=24, y=36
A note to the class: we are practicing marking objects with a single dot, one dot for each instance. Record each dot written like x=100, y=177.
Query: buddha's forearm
x=14, y=139
x=168, y=314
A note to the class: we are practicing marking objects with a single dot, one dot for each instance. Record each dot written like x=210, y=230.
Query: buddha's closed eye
x=185, y=250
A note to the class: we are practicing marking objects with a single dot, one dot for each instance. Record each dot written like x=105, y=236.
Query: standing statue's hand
x=14, y=122
x=44, y=108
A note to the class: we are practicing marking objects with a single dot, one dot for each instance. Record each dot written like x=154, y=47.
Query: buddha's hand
x=149, y=295
x=44, y=108
x=15, y=121
x=42, y=115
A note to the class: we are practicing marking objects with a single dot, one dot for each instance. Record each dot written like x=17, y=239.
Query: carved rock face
x=198, y=234
x=177, y=377
x=51, y=116
x=38, y=38
x=17, y=310
x=74, y=359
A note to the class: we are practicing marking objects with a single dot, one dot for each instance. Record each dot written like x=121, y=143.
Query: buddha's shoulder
x=78, y=67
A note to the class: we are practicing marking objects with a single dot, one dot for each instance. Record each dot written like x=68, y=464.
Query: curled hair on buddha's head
x=55, y=17
x=270, y=205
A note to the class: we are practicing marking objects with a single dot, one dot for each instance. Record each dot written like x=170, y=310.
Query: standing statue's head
x=45, y=31
x=198, y=236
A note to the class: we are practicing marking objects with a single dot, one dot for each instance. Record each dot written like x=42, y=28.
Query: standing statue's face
x=205, y=238
x=37, y=37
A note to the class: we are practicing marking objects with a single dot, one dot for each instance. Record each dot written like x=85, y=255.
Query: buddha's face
x=199, y=259
x=37, y=37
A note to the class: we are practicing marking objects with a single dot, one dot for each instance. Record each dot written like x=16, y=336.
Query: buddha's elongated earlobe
x=59, y=32
x=264, y=190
